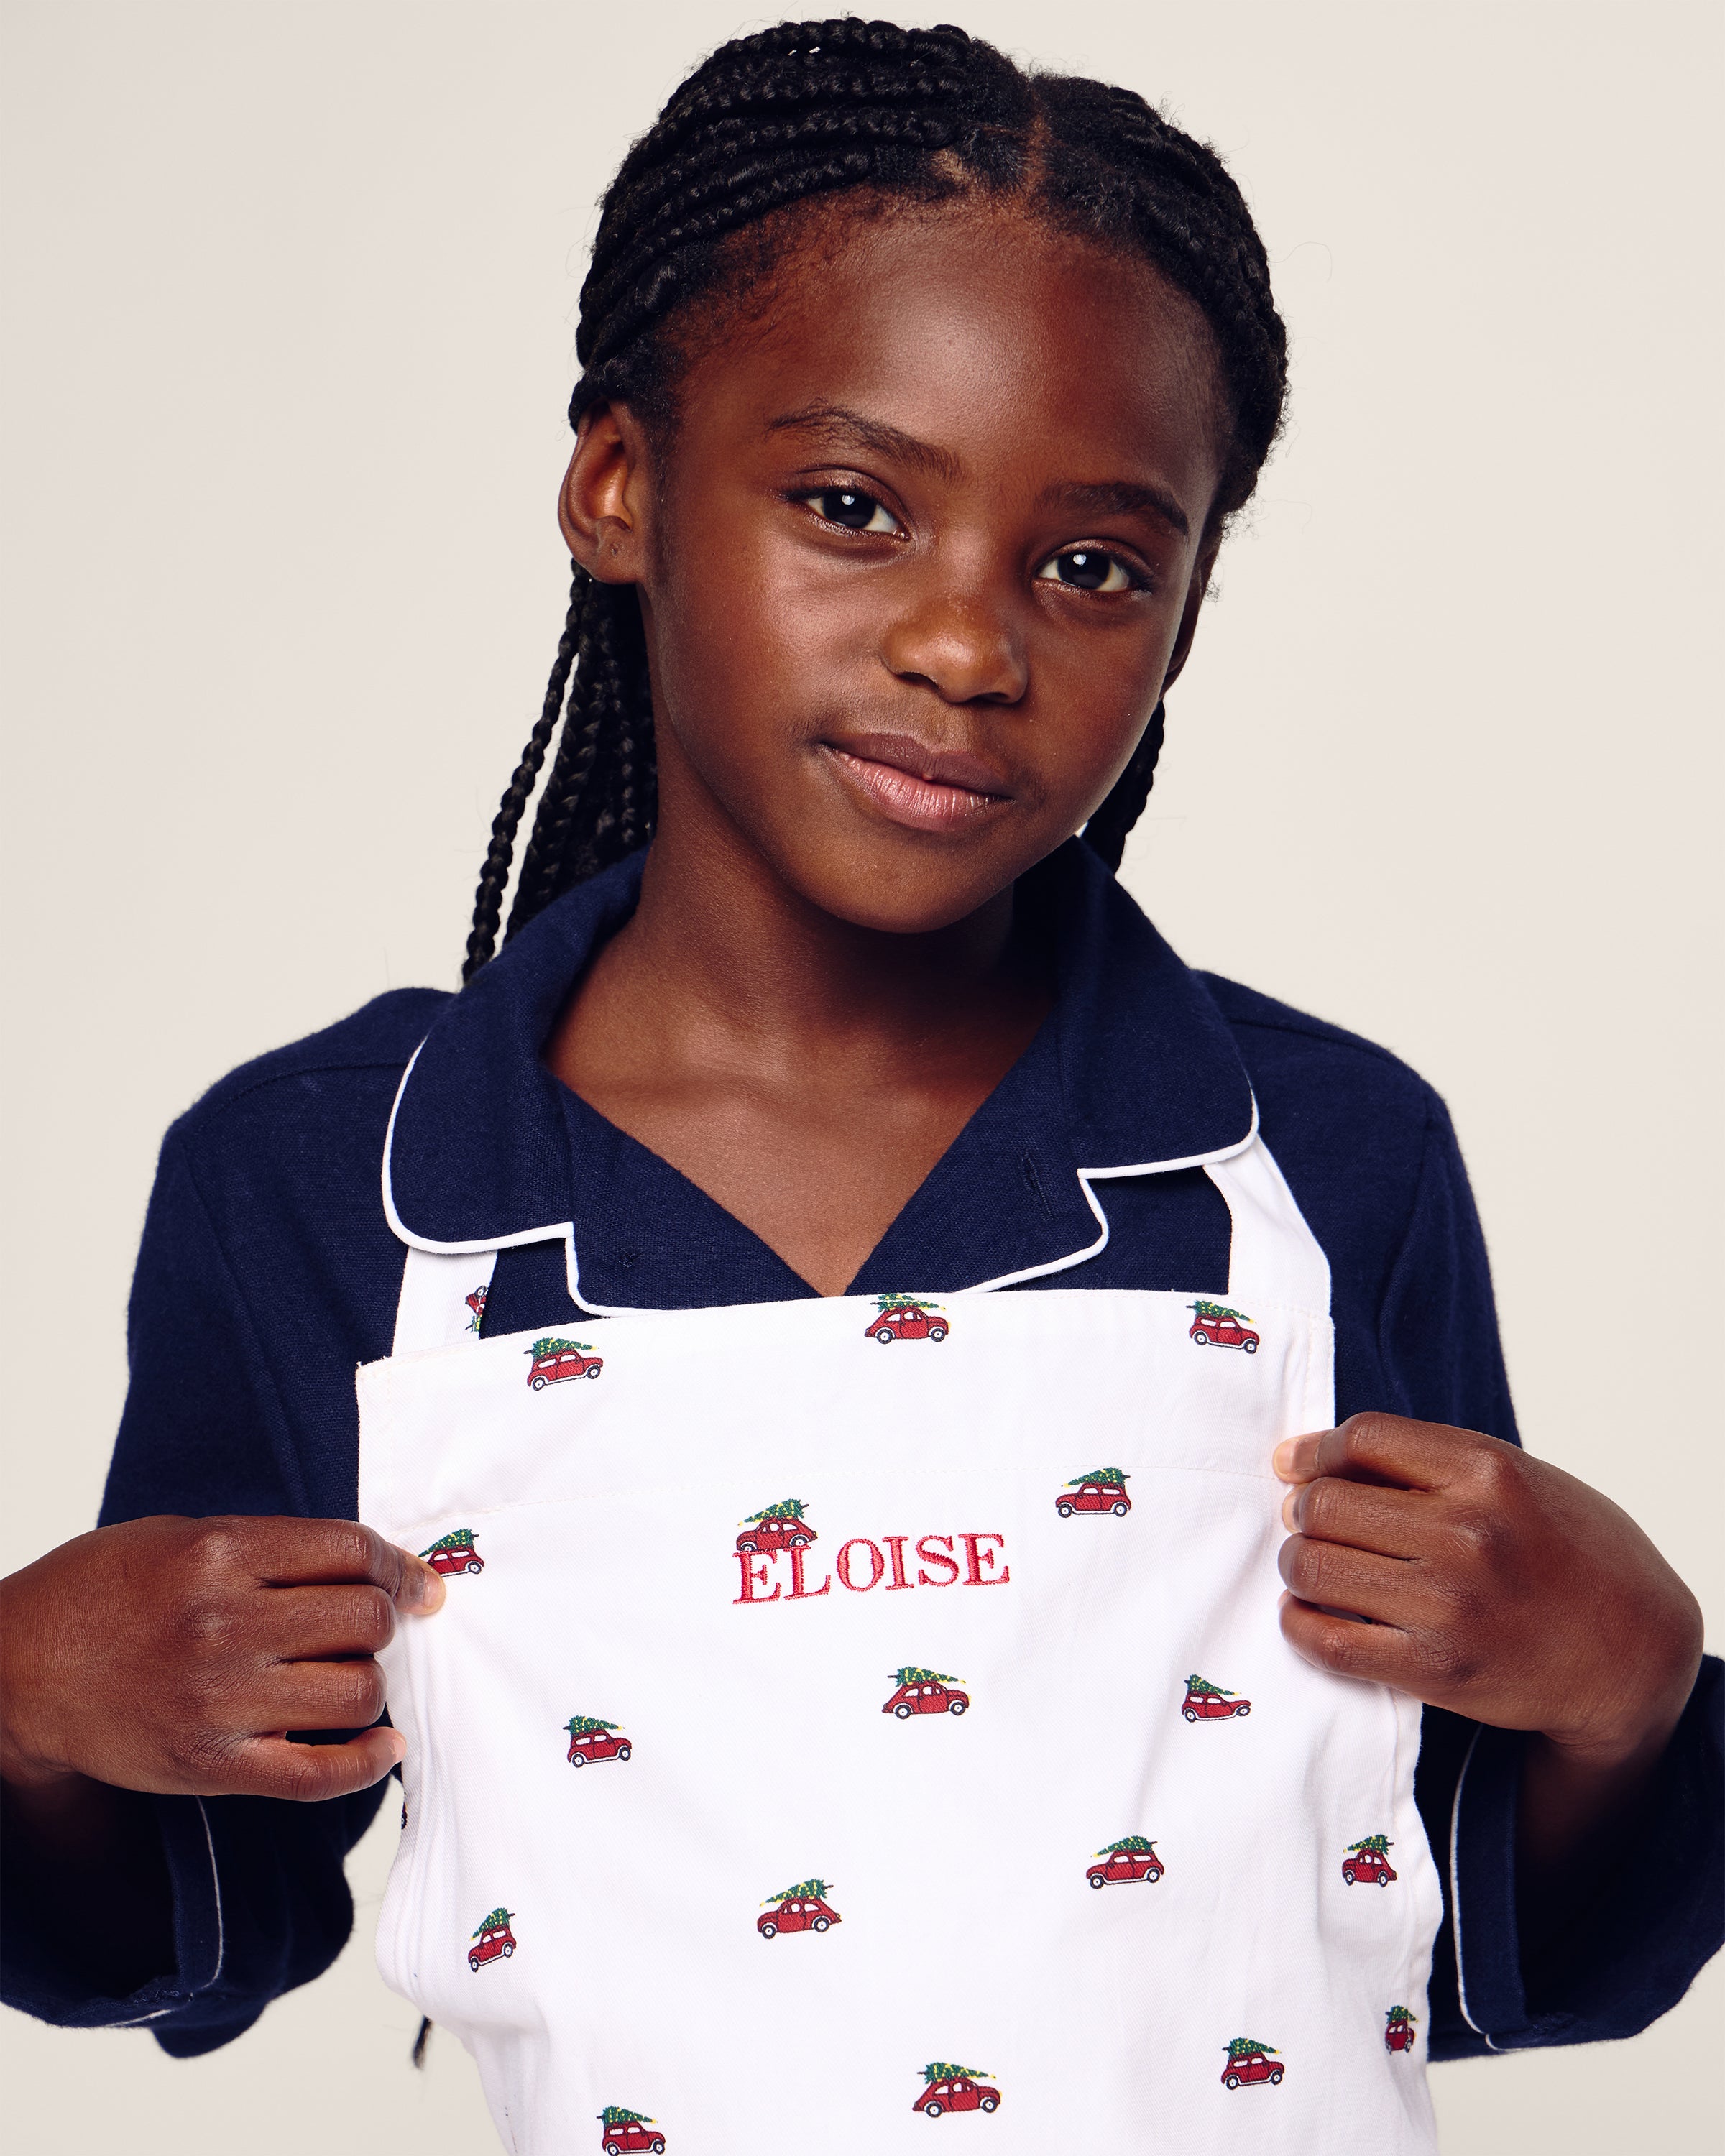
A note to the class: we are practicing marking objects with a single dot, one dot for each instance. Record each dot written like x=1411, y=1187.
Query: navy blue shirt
x=272, y=1259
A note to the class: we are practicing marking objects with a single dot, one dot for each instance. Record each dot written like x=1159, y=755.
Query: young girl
x=834, y=1297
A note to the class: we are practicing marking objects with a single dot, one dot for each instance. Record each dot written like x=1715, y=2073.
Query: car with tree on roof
x=925, y=1691
x=803, y=1908
x=776, y=1528
x=493, y=1941
x=1207, y=1703
x=1399, y=2026
x=622, y=2131
x=906, y=1317
x=591, y=1740
x=555, y=1359
x=1125, y=1863
x=947, y=2088
x=453, y=1553
x=1101, y=1490
x=1249, y=2062
x=1366, y=1861
x=1213, y=1325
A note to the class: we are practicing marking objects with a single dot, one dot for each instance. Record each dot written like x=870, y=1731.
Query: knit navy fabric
x=268, y=1271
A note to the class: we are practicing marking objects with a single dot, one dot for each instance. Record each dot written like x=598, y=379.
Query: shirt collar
x=1134, y=1070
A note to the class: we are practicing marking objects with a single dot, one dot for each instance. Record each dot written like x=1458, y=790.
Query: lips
x=926, y=789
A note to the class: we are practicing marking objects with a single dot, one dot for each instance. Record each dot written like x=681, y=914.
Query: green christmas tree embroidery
x=459, y=1538
x=495, y=1922
x=943, y=2070
x=1241, y=2047
x=1110, y=1478
x=584, y=1725
x=1201, y=1688
x=805, y=1890
x=883, y=1303
x=1201, y=1309
x=551, y=1345
x=615, y=2114
x=907, y=1675
x=1399, y=2017
x=1133, y=1845
x=1374, y=1845
x=787, y=1508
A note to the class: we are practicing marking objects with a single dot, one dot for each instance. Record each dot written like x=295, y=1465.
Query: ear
x=606, y=494
x=1195, y=591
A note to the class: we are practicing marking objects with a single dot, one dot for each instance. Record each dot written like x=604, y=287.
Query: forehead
x=978, y=329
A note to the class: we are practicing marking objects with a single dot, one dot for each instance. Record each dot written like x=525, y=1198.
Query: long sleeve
x=256, y=1901
x=1655, y=1912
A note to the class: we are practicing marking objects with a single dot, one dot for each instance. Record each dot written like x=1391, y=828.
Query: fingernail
x=1284, y=1456
x=1287, y=1510
x=426, y=1590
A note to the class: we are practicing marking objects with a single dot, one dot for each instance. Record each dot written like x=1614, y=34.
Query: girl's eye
x=1088, y=569
x=853, y=512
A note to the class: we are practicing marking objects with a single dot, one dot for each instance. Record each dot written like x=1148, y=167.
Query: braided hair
x=793, y=115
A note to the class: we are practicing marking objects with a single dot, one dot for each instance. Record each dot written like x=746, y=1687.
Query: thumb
x=421, y=1590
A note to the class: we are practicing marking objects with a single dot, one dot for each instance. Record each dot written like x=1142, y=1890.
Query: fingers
x=320, y=1695
x=1368, y=1516
x=1376, y=1654
x=312, y=1773
x=1338, y=1578
x=1389, y=1449
x=322, y=1624
x=292, y=1553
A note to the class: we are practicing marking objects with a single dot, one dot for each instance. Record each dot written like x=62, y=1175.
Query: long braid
x=792, y=114
x=488, y=901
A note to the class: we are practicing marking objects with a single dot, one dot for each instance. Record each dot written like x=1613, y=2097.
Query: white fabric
x=607, y=1510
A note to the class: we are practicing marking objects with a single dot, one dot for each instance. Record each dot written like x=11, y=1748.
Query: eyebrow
x=841, y=427
x=1121, y=497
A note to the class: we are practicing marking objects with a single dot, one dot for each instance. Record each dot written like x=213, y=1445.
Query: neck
x=723, y=960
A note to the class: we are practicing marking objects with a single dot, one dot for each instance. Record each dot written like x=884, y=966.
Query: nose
x=957, y=637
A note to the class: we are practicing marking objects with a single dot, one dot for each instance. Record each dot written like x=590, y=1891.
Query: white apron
x=805, y=1759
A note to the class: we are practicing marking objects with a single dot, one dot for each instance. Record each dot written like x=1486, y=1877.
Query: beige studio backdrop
x=289, y=292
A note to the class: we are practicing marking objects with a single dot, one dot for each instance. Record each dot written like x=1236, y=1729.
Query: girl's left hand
x=1497, y=1586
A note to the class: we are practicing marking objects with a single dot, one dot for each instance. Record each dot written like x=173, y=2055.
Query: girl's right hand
x=174, y=1655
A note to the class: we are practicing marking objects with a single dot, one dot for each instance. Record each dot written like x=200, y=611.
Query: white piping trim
x=138, y=2021
x=216, y=1881
x=1455, y=1888
x=1087, y=1177
x=564, y=1230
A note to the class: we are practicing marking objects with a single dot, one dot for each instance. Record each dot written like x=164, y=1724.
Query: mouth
x=922, y=789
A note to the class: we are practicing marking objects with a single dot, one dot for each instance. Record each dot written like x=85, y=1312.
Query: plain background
x=291, y=295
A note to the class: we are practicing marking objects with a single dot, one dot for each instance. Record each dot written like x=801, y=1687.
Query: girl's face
x=931, y=542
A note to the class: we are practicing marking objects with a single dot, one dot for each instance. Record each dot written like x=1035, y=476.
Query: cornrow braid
x=792, y=114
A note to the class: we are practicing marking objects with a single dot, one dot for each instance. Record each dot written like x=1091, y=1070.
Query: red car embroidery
x=492, y=1941
x=926, y=1693
x=590, y=1740
x=1399, y=2030
x=958, y=2092
x=1104, y=1491
x=1250, y=2067
x=906, y=1320
x=622, y=2130
x=771, y=1536
x=455, y=1560
x=798, y=1912
x=1214, y=1326
x=554, y=1360
x=1209, y=1702
x=1123, y=1863
x=1362, y=1866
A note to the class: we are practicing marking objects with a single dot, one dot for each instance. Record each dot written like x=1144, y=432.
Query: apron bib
x=853, y=1713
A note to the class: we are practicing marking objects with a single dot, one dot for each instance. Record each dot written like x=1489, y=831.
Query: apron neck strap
x=443, y=1299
